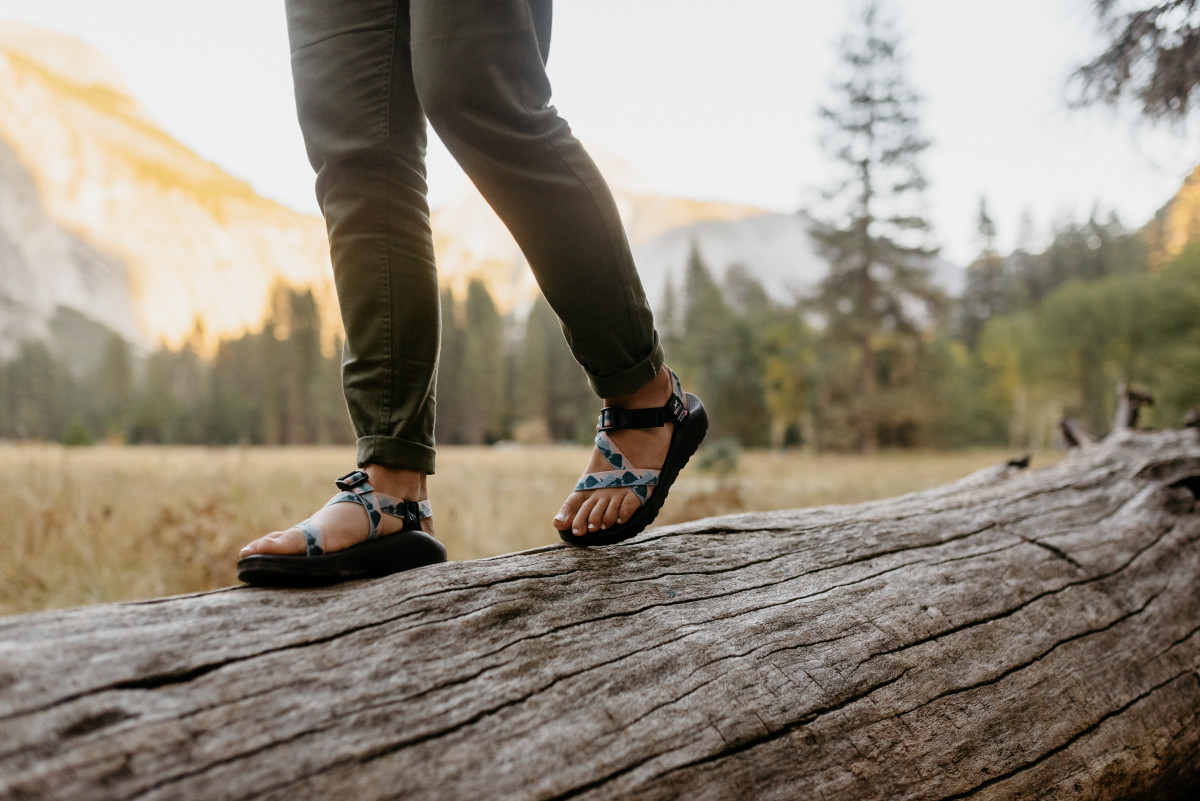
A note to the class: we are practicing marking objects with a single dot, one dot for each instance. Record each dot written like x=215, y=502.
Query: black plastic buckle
x=612, y=417
x=351, y=480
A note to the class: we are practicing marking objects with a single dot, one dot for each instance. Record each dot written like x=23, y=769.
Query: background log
x=1129, y=405
x=1017, y=634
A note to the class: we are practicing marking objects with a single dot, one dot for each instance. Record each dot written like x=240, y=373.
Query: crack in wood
x=1031, y=600
x=976, y=554
x=1060, y=553
x=805, y=720
x=1033, y=661
x=1174, y=645
x=159, y=680
x=482, y=714
x=1067, y=744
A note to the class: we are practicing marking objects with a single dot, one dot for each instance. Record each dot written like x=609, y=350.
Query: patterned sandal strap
x=409, y=511
x=623, y=474
x=314, y=542
x=357, y=489
x=636, y=480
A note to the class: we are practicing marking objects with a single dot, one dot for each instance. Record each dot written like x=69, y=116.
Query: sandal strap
x=314, y=542
x=675, y=410
x=357, y=489
x=409, y=511
x=622, y=473
x=635, y=480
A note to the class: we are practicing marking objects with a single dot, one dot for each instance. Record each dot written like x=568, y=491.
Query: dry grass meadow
x=108, y=523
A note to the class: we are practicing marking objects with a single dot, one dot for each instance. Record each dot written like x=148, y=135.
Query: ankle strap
x=613, y=418
x=355, y=488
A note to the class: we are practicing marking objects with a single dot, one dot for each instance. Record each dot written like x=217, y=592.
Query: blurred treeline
x=1035, y=337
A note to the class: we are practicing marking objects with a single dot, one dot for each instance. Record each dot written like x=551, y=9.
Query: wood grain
x=1017, y=634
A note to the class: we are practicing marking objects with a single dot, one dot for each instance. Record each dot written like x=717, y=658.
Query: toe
x=595, y=520
x=579, y=525
x=629, y=505
x=612, y=511
x=278, y=542
x=253, y=547
x=566, y=512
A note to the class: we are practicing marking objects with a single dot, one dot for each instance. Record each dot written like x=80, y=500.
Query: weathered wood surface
x=1018, y=634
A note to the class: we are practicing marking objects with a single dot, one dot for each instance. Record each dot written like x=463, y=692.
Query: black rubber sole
x=684, y=442
x=391, y=553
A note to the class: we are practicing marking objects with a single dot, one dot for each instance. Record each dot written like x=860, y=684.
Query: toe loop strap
x=635, y=480
x=314, y=543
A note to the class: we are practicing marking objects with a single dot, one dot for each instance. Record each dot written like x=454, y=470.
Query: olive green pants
x=367, y=75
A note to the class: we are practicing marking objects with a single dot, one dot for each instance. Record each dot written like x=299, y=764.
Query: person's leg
x=365, y=136
x=479, y=68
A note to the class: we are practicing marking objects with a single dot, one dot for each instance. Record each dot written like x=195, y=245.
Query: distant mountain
x=103, y=213
x=777, y=249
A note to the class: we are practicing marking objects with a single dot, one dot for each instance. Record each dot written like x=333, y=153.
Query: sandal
x=691, y=424
x=377, y=556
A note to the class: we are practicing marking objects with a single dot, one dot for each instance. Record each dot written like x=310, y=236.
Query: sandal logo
x=677, y=408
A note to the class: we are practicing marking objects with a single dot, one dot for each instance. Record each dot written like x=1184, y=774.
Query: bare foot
x=598, y=509
x=345, y=524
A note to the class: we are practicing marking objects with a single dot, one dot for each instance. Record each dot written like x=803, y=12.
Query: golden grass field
x=108, y=523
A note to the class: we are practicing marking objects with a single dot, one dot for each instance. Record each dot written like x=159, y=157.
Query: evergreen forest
x=1036, y=337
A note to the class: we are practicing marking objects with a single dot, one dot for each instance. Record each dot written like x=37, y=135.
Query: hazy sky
x=708, y=99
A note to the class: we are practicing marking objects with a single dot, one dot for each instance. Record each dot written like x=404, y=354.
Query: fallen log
x=1017, y=634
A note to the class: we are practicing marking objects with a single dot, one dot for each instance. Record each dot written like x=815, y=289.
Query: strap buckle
x=613, y=417
x=355, y=478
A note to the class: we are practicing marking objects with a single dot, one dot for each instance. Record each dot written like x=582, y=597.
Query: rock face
x=104, y=213
x=44, y=268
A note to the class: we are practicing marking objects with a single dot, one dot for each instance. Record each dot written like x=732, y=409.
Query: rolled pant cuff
x=631, y=380
x=394, y=452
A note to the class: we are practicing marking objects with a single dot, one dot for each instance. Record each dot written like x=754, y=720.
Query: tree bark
x=1017, y=634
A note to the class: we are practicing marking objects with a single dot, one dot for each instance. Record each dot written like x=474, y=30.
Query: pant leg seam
x=386, y=400
x=551, y=145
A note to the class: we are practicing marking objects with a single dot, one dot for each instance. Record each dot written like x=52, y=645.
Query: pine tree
x=451, y=398
x=552, y=388
x=483, y=367
x=43, y=395
x=113, y=389
x=986, y=293
x=301, y=353
x=1150, y=56
x=878, y=292
x=720, y=352
x=667, y=318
